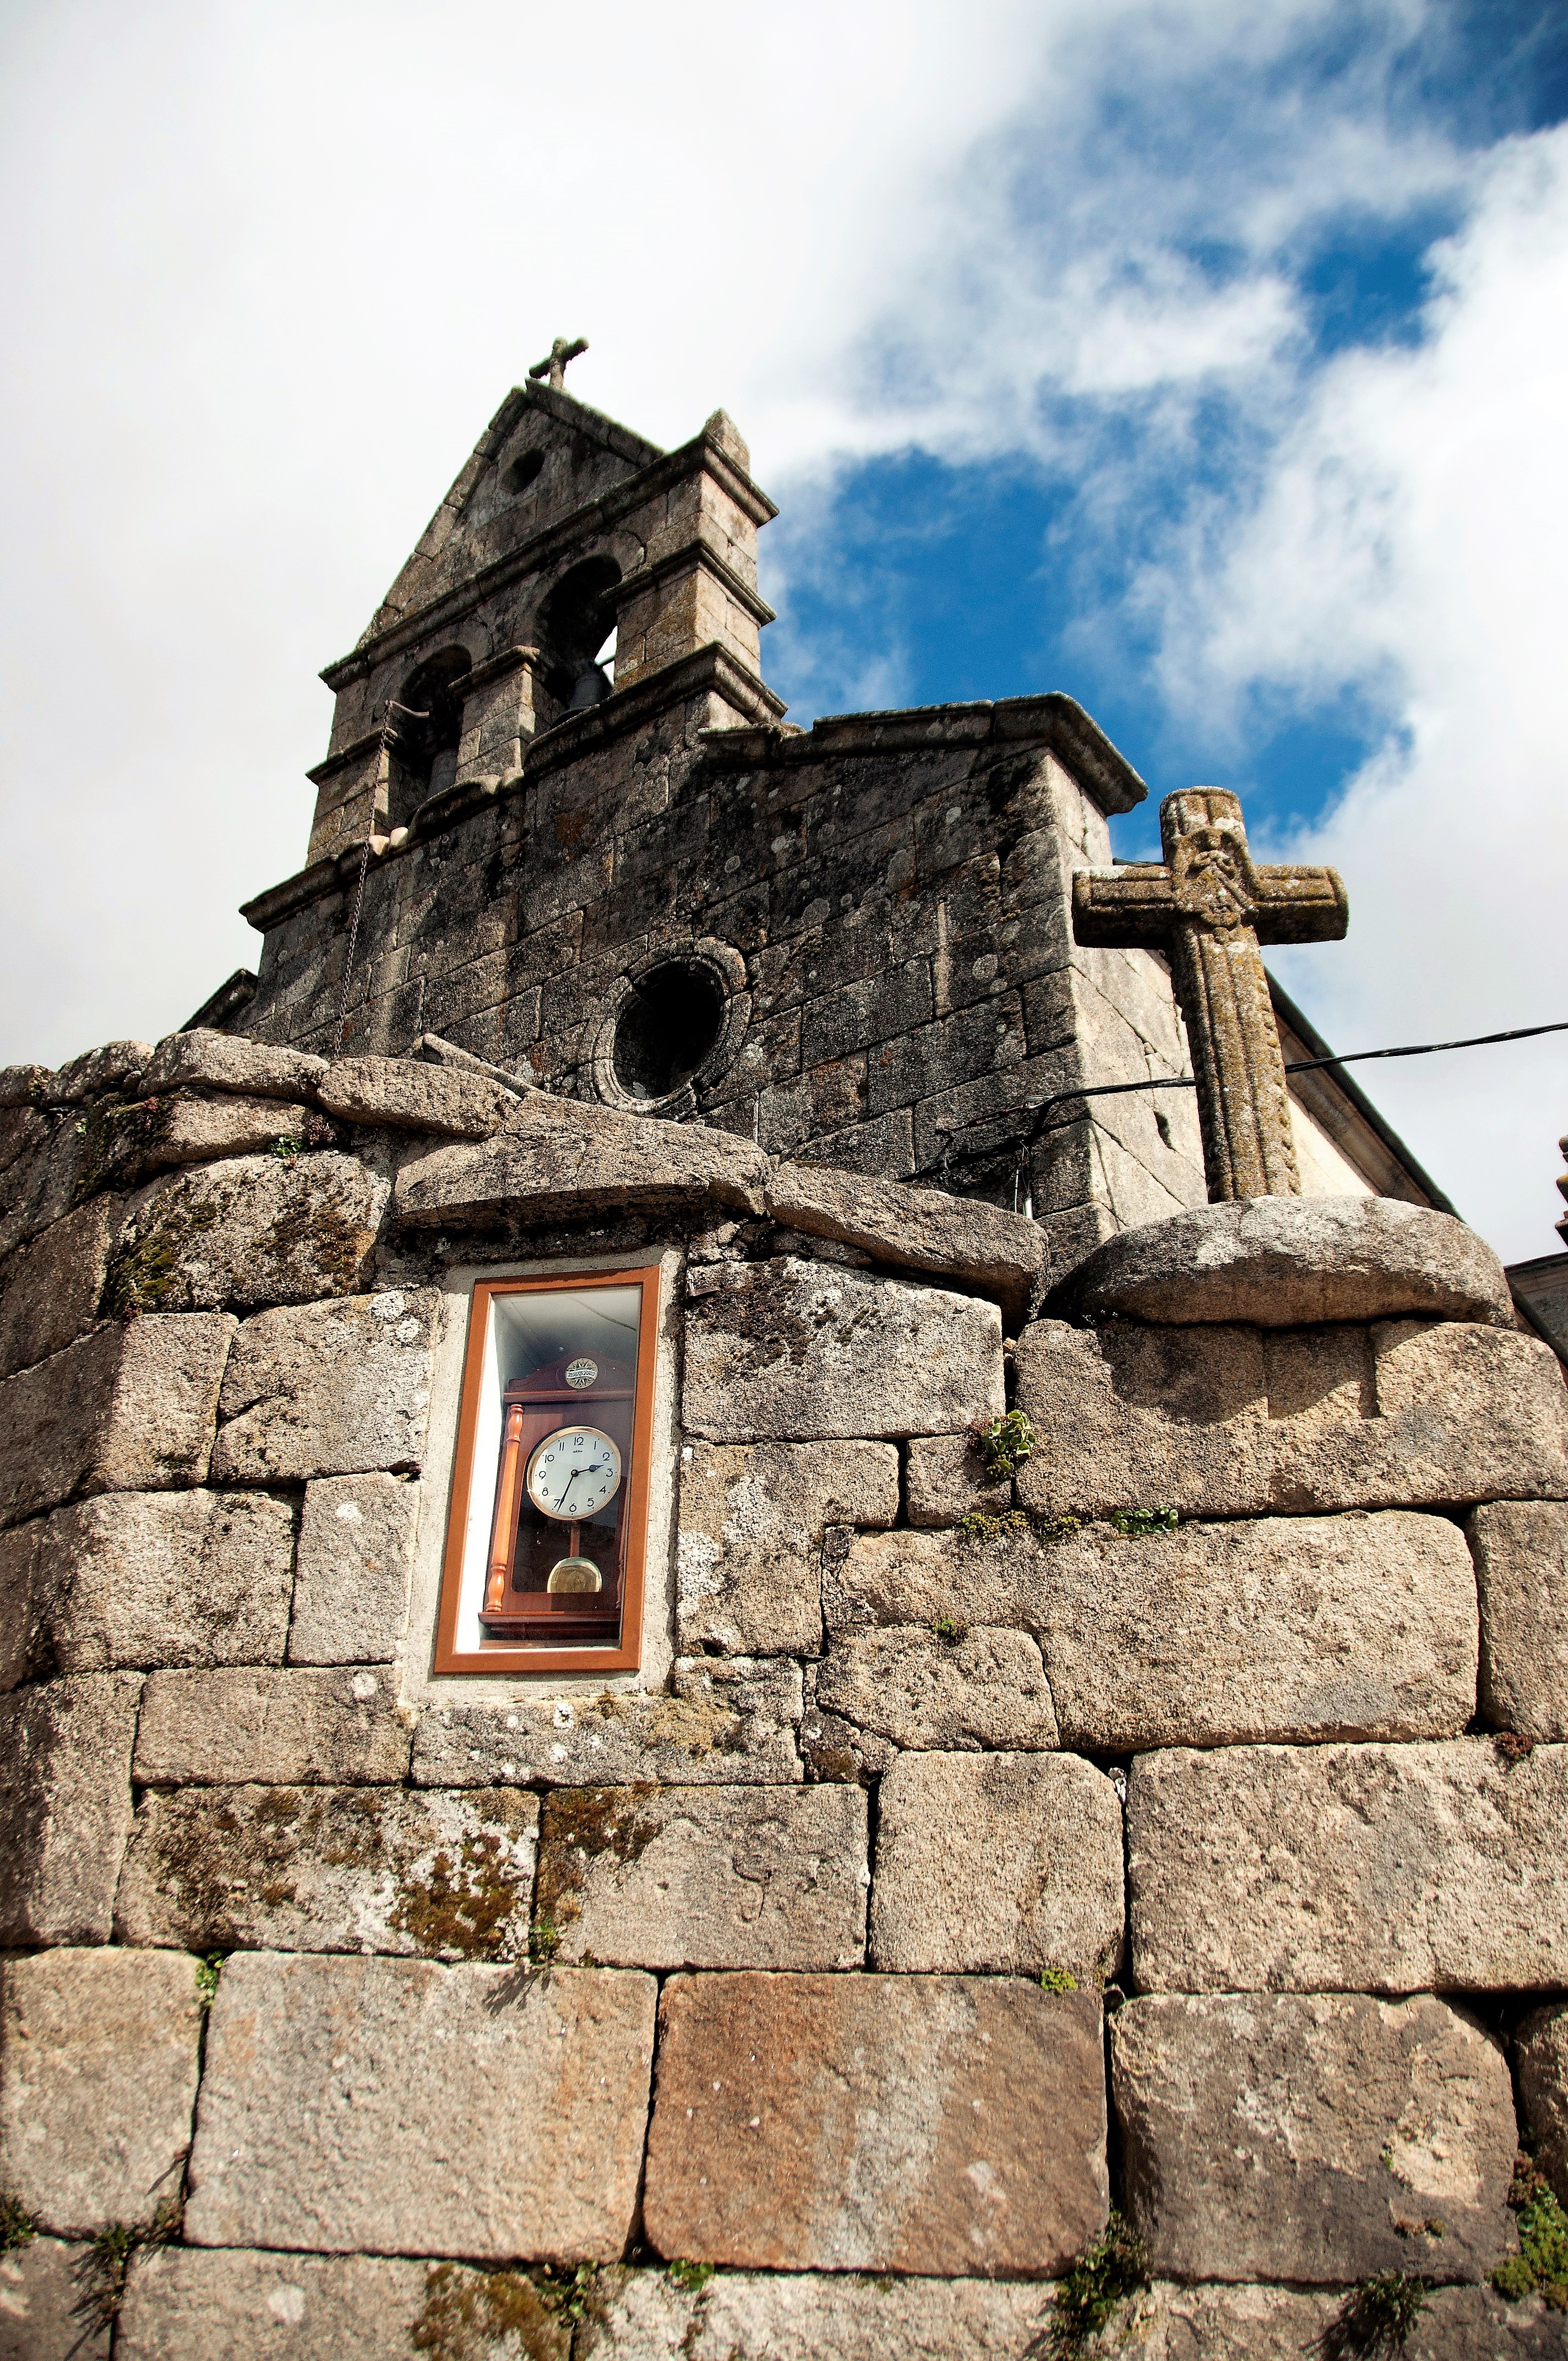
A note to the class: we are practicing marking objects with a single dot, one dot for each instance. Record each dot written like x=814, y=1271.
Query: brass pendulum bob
x=575, y=1572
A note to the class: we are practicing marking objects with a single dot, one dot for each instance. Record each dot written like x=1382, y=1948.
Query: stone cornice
x=1054, y=720
x=711, y=669
x=682, y=561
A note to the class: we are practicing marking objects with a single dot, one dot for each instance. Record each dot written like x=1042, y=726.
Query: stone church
x=715, y=1649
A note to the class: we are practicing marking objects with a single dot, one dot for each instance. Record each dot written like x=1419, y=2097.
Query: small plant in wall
x=1541, y=2267
x=1103, y=2276
x=1006, y=1444
x=17, y=2227
x=692, y=2277
x=1377, y=2317
x=1141, y=1524
x=102, y=2272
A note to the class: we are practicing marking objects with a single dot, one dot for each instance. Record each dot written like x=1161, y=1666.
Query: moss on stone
x=323, y=1233
x=695, y=1724
x=146, y=1273
x=580, y=1824
x=490, y=2316
x=463, y=1908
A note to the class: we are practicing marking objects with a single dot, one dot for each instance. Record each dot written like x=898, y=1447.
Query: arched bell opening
x=426, y=725
x=577, y=634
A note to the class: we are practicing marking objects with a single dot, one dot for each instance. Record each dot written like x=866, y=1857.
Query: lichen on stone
x=466, y=1909
x=490, y=2316
x=580, y=1824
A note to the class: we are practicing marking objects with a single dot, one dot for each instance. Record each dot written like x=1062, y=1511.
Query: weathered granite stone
x=415, y=1096
x=554, y=1158
x=948, y=1481
x=1232, y=1422
x=471, y=2111
x=1462, y=1413
x=749, y=1545
x=1167, y=2321
x=722, y=1721
x=287, y=1727
x=810, y=2316
x=1356, y=1626
x=328, y=1389
x=351, y=1578
x=41, y=2296
x=125, y=1409
x=1144, y=1418
x=1543, y=2091
x=225, y=1061
x=807, y=1351
x=1313, y=2137
x=1472, y=2323
x=100, y=2055
x=187, y=2304
x=920, y=1688
x=916, y=1229
x=1358, y=1868
x=255, y=1231
x=25, y=1651
x=1294, y=1262
x=65, y=1806
x=998, y=1861
x=23, y=1086
x=52, y=1286
x=941, y=2124
x=835, y=1749
x=161, y=1133
x=95, y=1071
x=154, y=1579
x=1520, y=1549
x=447, y=1875
x=705, y=1877
x=47, y=1167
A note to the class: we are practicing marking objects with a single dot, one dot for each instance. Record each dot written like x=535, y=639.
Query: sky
x=1203, y=358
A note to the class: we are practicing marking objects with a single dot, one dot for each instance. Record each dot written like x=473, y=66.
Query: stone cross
x=553, y=364
x=1209, y=908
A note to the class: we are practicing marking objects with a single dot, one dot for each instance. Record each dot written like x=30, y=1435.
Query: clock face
x=581, y=1374
x=573, y=1472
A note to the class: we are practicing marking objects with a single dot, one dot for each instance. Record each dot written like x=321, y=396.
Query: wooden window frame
x=628, y=1656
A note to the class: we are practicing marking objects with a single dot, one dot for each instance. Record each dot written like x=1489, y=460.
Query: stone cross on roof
x=1209, y=908
x=553, y=364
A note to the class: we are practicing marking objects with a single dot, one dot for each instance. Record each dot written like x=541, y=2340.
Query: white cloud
x=1413, y=534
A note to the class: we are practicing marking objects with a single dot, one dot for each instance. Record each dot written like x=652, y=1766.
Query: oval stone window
x=667, y=1025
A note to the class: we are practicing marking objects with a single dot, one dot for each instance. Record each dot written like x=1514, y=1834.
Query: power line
x=1301, y=1065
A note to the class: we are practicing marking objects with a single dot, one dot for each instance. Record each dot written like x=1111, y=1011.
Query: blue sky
x=1202, y=357
x=929, y=579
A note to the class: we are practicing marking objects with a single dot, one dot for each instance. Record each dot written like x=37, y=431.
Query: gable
x=542, y=457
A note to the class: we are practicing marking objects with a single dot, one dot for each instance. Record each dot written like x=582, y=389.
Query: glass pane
x=545, y=1547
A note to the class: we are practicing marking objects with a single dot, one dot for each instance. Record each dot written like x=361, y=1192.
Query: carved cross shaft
x=1209, y=908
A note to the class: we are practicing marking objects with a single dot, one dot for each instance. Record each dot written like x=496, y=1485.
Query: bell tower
x=563, y=530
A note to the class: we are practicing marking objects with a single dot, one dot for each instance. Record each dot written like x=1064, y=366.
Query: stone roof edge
x=708, y=669
x=1053, y=720
x=531, y=556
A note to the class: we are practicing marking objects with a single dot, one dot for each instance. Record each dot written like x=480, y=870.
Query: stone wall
x=997, y=1849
